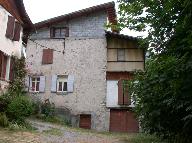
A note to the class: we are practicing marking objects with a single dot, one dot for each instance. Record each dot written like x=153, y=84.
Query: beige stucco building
x=13, y=21
x=75, y=63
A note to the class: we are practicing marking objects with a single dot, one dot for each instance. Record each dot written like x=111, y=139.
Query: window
x=62, y=84
x=47, y=57
x=35, y=84
x=120, y=54
x=59, y=32
x=13, y=29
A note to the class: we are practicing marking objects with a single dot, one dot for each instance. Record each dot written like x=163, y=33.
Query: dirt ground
x=51, y=133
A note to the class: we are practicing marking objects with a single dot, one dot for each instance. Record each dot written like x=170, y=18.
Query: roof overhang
x=108, y=7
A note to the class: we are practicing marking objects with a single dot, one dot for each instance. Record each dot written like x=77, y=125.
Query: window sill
x=61, y=93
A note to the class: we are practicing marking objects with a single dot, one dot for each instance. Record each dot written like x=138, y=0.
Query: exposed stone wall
x=86, y=60
x=91, y=25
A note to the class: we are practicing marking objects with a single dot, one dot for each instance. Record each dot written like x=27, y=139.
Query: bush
x=19, y=108
x=5, y=99
x=47, y=109
x=3, y=120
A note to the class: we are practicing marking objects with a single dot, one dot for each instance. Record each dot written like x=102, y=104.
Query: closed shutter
x=17, y=32
x=126, y=96
x=4, y=66
x=54, y=83
x=42, y=84
x=10, y=27
x=11, y=69
x=47, y=57
x=70, y=83
x=120, y=92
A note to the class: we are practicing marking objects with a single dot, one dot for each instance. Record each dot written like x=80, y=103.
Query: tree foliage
x=164, y=90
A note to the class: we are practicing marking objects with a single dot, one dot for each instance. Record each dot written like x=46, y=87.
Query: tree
x=164, y=90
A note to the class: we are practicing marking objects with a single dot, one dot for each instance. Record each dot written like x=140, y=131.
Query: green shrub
x=3, y=120
x=47, y=109
x=19, y=108
x=5, y=99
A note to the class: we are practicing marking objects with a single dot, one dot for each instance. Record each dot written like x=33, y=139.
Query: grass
x=54, y=131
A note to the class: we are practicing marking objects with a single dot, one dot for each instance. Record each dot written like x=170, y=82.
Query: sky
x=39, y=10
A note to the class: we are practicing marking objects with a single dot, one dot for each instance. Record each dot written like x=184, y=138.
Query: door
x=85, y=121
x=123, y=121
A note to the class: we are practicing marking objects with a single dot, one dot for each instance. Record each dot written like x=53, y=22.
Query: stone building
x=13, y=21
x=76, y=64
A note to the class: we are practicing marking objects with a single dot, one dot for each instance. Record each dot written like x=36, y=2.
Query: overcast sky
x=39, y=10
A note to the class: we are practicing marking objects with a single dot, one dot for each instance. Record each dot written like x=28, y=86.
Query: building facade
x=67, y=59
x=13, y=21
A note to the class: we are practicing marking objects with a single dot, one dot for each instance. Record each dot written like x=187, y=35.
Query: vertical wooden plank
x=120, y=92
x=17, y=31
x=10, y=27
x=4, y=66
x=126, y=96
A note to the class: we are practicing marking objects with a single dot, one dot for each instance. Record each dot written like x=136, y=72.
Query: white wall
x=8, y=46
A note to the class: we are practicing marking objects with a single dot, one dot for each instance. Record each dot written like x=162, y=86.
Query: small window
x=59, y=32
x=35, y=84
x=62, y=84
x=120, y=54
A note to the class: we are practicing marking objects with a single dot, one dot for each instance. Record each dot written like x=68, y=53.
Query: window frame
x=118, y=55
x=53, y=29
x=61, y=79
x=34, y=89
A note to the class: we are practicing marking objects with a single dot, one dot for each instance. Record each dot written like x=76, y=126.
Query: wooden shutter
x=4, y=66
x=54, y=83
x=10, y=27
x=70, y=83
x=126, y=96
x=42, y=84
x=120, y=92
x=47, y=57
x=11, y=69
x=17, y=32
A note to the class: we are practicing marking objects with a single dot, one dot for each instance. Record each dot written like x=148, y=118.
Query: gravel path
x=50, y=133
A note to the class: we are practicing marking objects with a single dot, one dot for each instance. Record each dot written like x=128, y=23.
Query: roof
x=121, y=36
x=17, y=9
x=108, y=7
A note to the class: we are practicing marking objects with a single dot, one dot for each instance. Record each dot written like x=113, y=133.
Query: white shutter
x=27, y=84
x=30, y=84
x=42, y=84
x=54, y=83
x=70, y=83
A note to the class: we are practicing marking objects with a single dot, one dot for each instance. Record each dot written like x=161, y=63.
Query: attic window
x=59, y=32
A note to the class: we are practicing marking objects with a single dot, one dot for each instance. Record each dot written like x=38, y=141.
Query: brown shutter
x=17, y=32
x=120, y=92
x=11, y=70
x=10, y=27
x=47, y=56
x=4, y=66
x=126, y=96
